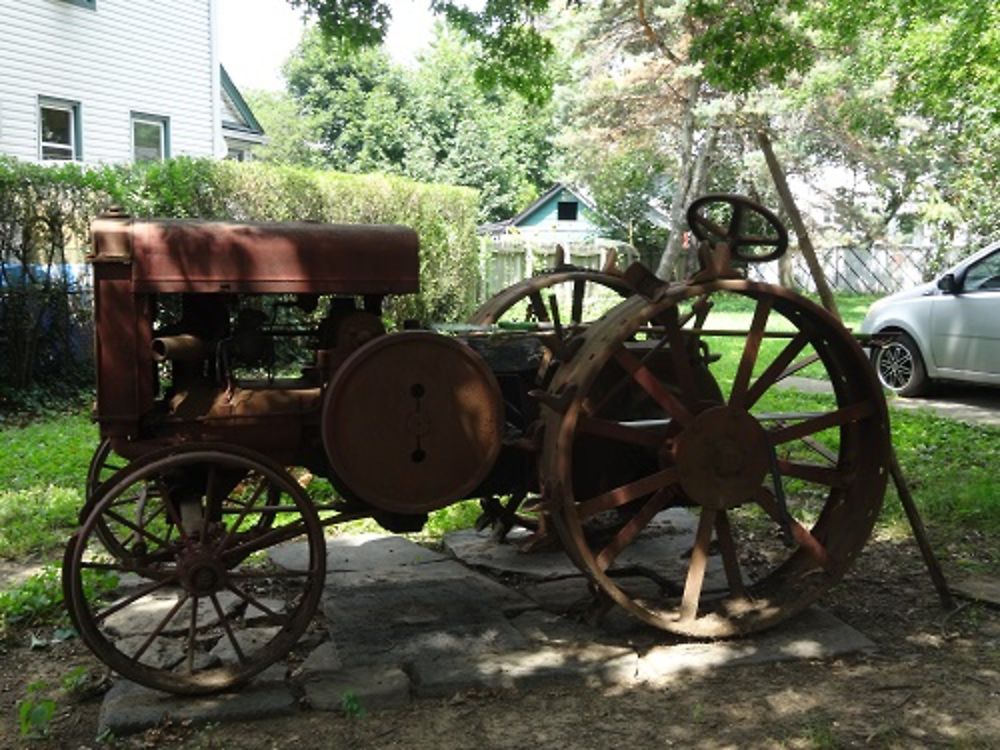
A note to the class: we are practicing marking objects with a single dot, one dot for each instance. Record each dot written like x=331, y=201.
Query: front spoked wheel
x=766, y=497
x=185, y=598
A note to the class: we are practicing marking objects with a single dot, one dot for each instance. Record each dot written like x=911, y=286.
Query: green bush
x=45, y=212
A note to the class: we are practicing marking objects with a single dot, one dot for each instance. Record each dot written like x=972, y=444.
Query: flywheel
x=412, y=422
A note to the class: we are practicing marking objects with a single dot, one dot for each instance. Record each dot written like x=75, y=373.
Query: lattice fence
x=877, y=270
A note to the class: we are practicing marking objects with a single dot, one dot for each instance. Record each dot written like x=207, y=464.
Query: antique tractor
x=614, y=429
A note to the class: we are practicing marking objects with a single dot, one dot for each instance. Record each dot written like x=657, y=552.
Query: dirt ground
x=934, y=681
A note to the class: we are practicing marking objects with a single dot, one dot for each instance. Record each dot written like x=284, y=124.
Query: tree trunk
x=665, y=268
x=699, y=180
x=786, y=267
x=805, y=244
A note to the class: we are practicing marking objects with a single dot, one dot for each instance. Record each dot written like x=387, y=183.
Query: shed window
x=58, y=130
x=568, y=210
x=150, y=137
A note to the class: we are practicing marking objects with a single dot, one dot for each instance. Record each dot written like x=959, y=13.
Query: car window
x=983, y=275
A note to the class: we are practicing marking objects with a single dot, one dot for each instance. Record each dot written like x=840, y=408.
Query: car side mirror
x=948, y=284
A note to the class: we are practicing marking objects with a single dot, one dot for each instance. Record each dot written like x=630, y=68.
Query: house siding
x=543, y=224
x=126, y=56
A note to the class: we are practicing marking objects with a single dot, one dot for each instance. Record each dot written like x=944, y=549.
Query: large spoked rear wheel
x=185, y=598
x=752, y=504
x=582, y=295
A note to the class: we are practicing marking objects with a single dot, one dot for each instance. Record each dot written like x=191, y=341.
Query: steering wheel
x=750, y=226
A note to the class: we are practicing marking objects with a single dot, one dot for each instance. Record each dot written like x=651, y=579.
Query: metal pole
x=919, y=532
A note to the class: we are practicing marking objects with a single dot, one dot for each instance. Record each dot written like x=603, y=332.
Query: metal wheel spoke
x=727, y=548
x=159, y=628
x=151, y=573
x=631, y=530
x=268, y=539
x=538, y=307
x=243, y=513
x=627, y=492
x=839, y=417
x=258, y=575
x=264, y=510
x=696, y=568
x=800, y=365
x=252, y=600
x=576, y=311
x=751, y=350
x=141, y=498
x=774, y=371
x=120, y=604
x=812, y=473
x=820, y=449
x=229, y=631
x=137, y=529
x=192, y=632
x=622, y=432
x=652, y=385
x=803, y=537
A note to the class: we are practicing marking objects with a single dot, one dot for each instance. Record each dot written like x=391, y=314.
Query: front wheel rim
x=895, y=366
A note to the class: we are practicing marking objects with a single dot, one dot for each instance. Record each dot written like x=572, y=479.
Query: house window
x=58, y=130
x=568, y=210
x=150, y=137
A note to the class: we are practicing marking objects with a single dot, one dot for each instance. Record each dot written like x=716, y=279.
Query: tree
x=435, y=123
x=916, y=88
x=703, y=65
x=292, y=136
x=357, y=100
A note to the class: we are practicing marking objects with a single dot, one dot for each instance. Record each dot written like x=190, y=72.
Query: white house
x=115, y=81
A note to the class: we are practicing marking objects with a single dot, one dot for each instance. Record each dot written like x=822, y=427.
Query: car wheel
x=900, y=367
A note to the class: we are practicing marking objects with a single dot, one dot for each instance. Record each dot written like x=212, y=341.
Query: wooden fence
x=509, y=260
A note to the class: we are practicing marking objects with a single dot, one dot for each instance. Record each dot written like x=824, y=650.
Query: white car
x=947, y=329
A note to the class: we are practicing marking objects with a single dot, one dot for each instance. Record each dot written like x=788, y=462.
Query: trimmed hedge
x=44, y=210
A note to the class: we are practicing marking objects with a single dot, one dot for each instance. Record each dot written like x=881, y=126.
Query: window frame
x=574, y=205
x=988, y=263
x=75, y=145
x=148, y=119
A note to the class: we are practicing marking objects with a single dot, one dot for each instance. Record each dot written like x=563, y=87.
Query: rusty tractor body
x=595, y=432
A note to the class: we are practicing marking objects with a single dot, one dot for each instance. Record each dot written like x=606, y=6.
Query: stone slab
x=250, y=640
x=539, y=626
x=590, y=664
x=815, y=634
x=323, y=661
x=559, y=595
x=130, y=708
x=134, y=621
x=396, y=622
x=663, y=547
x=373, y=688
x=404, y=621
x=478, y=549
x=980, y=589
x=463, y=581
x=362, y=552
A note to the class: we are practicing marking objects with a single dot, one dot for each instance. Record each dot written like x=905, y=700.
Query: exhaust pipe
x=181, y=348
